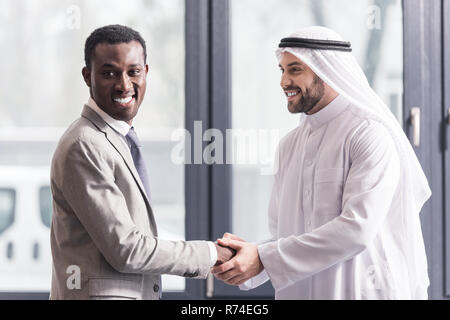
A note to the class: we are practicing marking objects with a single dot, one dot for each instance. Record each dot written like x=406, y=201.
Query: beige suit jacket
x=103, y=234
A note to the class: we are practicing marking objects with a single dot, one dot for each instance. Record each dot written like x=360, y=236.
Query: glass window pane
x=45, y=205
x=375, y=30
x=7, y=208
x=44, y=46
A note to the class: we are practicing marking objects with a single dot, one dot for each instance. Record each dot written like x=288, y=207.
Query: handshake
x=237, y=260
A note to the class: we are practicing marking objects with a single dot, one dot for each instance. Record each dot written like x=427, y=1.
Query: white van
x=25, y=218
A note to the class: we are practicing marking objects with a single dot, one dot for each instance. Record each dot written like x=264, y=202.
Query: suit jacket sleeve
x=89, y=188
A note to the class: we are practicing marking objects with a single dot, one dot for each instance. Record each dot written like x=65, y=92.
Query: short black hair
x=111, y=34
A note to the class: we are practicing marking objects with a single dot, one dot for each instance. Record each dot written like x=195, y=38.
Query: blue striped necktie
x=138, y=159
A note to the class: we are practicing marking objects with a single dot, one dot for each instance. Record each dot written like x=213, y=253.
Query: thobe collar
x=118, y=125
x=328, y=113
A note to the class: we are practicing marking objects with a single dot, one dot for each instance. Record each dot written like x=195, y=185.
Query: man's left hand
x=245, y=265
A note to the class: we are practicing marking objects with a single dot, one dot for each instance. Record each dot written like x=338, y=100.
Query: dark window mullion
x=221, y=118
x=423, y=89
x=197, y=176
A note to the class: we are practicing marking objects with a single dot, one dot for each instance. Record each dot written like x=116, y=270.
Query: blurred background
x=42, y=92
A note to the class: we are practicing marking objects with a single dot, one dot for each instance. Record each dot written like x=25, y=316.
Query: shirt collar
x=118, y=125
x=328, y=113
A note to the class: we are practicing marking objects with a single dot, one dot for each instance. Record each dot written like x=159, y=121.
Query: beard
x=309, y=98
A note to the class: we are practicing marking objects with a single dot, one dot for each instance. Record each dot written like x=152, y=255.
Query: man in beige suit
x=104, y=237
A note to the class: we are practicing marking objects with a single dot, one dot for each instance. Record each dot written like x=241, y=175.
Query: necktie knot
x=133, y=138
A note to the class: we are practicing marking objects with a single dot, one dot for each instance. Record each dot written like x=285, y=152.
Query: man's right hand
x=223, y=254
x=226, y=253
x=245, y=265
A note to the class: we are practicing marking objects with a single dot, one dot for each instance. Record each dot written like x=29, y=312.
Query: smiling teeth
x=124, y=100
x=291, y=94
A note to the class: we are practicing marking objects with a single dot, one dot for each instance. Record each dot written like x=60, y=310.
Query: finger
x=236, y=280
x=226, y=276
x=242, y=281
x=235, y=244
x=231, y=236
x=224, y=267
x=223, y=242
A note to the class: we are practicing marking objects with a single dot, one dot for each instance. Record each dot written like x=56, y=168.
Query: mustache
x=291, y=88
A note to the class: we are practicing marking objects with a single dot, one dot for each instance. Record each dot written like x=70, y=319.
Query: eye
x=135, y=72
x=108, y=74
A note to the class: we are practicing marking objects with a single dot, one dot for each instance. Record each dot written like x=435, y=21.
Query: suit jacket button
x=156, y=288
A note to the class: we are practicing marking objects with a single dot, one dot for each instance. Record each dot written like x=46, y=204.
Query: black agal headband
x=316, y=44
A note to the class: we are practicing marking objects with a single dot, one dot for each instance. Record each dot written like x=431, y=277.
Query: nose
x=285, y=81
x=123, y=83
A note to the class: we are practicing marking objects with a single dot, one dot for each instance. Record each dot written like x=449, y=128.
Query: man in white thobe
x=344, y=210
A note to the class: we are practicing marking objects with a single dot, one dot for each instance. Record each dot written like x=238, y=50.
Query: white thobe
x=332, y=212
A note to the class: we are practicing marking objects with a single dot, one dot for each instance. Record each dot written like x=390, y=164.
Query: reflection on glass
x=45, y=205
x=44, y=92
x=375, y=30
x=7, y=208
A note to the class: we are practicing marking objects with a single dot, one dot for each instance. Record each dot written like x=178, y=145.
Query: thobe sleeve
x=367, y=196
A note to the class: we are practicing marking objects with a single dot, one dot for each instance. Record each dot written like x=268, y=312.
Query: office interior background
x=212, y=63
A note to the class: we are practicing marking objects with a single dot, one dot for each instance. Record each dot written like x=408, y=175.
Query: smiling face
x=305, y=91
x=117, y=78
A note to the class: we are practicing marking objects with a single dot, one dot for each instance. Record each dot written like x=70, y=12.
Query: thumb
x=234, y=244
x=231, y=236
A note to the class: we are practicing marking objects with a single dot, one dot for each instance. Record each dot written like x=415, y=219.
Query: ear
x=146, y=69
x=87, y=76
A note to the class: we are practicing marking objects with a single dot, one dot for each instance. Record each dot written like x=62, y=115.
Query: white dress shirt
x=337, y=182
x=122, y=128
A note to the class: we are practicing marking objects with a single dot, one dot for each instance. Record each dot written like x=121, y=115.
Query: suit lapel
x=114, y=138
